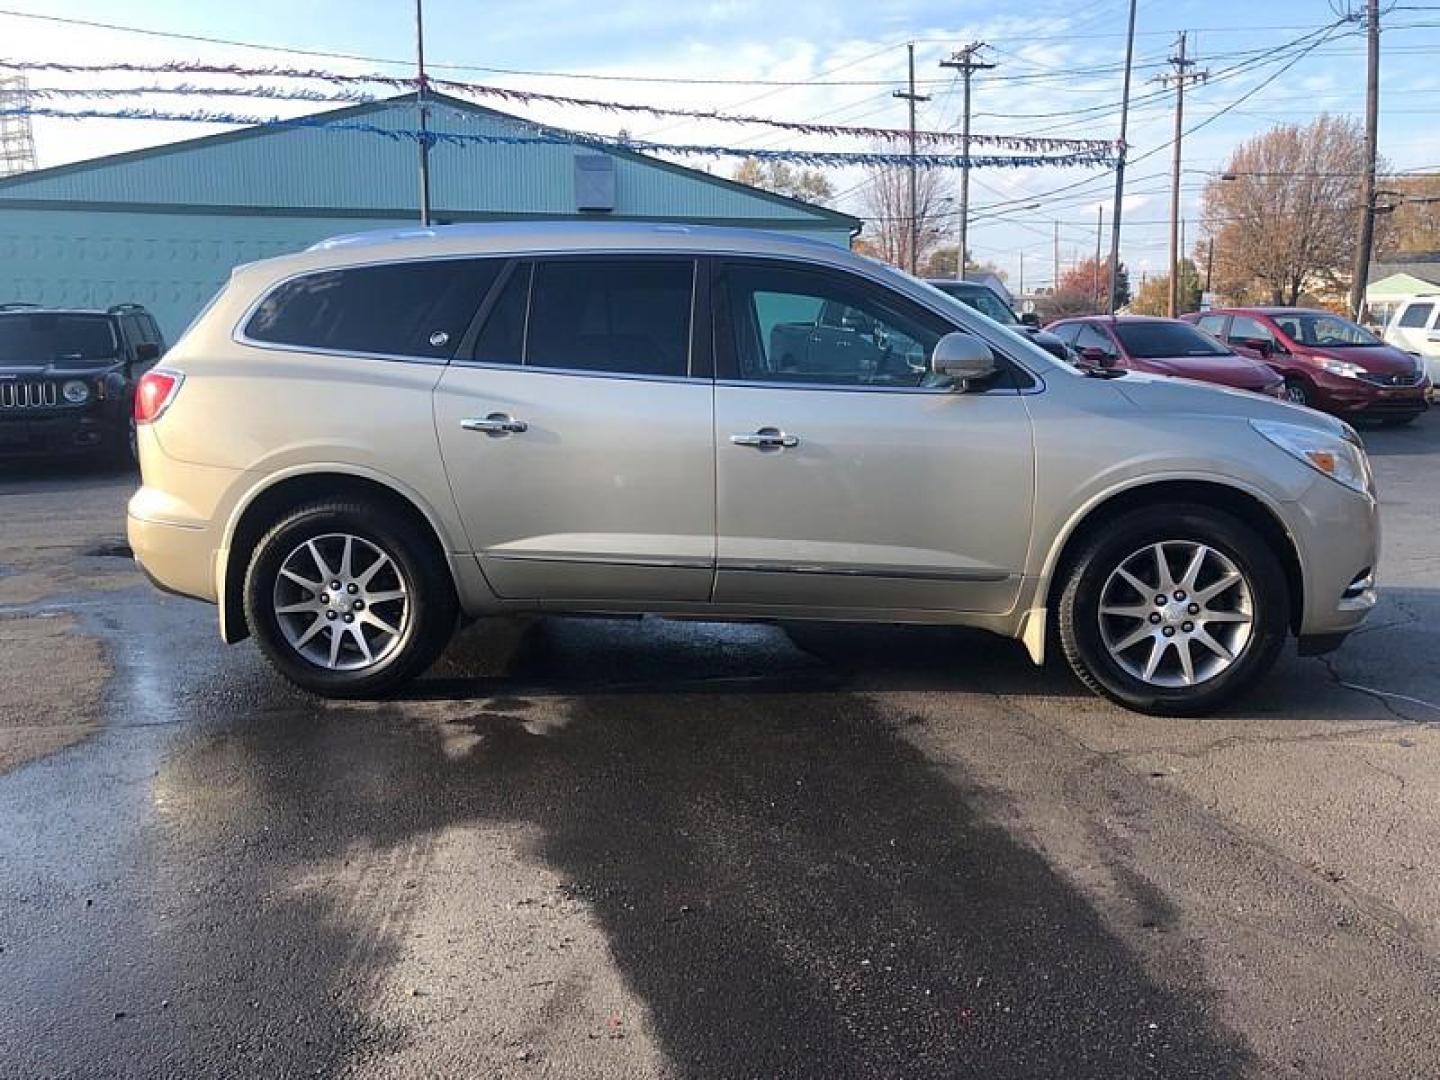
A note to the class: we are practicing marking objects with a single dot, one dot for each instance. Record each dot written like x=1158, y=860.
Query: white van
x=1415, y=327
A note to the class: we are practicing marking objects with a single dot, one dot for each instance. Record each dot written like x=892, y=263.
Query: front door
x=856, y=480
x=576, y=433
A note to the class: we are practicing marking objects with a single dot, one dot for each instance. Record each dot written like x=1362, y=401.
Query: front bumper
x=1355, y=397
x=57, y=433
x=1337, y=536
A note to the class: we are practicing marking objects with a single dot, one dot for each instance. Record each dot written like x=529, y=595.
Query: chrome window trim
x=841, y=388
x=403, y=358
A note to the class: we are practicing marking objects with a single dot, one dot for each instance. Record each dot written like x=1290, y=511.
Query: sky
x=1058, y=72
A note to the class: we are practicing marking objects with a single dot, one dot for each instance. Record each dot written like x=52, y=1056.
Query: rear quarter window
x=412, y=309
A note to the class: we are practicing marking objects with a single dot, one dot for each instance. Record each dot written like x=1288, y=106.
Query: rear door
x=576, y=428
x=864, y=482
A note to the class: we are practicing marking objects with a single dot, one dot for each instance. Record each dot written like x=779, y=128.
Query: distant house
x=1398, y=276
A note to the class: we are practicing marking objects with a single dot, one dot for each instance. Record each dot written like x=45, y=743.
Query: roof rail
x=17, y=306
x=113, y=308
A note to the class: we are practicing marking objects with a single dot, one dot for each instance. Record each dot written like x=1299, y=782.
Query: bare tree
x=887, y=209
x=1414, y=224
x=810, y=185
x=1282, y=213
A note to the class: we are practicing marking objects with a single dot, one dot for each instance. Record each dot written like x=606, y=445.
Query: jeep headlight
x=1340, y=457
x=76, y=391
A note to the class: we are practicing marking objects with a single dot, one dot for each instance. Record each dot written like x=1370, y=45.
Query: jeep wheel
x=348, y=600
x=1173, y=610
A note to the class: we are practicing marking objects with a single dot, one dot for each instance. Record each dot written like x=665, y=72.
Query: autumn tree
x=1282, y=214
x=1084, y=289
x=1414, y=224
x=809, y=185
x=1154, y=295
x=887, y=209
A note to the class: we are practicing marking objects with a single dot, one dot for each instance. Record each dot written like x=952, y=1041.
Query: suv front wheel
x=348, y=600
x=1173, y=610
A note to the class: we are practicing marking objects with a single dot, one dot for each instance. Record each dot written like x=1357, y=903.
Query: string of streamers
x=1030, y=144
x=547, y=136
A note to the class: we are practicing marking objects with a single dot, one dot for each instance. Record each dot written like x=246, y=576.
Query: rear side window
x=1211, y=324
x=417, y=309
x=630, y=316
x=1417, y=315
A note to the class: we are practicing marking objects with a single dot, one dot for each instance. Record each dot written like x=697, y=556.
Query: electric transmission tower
x=17, y=140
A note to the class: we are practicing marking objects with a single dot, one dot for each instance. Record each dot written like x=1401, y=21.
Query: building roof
x=254, y=170
x=1424, y=265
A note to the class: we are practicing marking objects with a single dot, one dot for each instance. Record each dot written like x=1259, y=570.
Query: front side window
x=628, y=316
x=1092, y=337
x=1244, y=329
x=1416, y=315
x=1212, y=324
x=1319, y=329
x=794, y=325
x=417, y=309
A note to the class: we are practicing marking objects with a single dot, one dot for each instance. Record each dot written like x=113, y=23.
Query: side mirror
x=964, y=359
x=1029, y=318
x=1096, y=356
x=147, y=351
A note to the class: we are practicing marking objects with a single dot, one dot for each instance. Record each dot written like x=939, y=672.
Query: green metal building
x=164, y=226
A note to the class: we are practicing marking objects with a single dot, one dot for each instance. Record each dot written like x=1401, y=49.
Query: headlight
x=76, y=392
x=1339, y=457
x=1339, y=367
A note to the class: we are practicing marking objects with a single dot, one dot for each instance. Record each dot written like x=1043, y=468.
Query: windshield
x=1152, y=340
x=40, y=338
x=983, y=301
x=1320, y=329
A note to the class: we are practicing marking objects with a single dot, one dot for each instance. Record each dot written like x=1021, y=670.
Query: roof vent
x=594, y=183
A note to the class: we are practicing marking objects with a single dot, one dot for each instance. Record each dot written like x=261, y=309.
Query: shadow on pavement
x=791, y=887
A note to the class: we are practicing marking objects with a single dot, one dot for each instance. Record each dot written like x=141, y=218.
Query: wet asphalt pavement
x=649, y=848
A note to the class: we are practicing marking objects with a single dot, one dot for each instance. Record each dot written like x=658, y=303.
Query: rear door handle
x=767, y=438
x=497, y=423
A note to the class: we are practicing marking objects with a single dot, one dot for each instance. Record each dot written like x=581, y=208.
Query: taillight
x=155, y=392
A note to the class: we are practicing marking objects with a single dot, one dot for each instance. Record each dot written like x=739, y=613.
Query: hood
x=1236, y=371
x=1162, y=394
x=49, y=370
x=1381, y=359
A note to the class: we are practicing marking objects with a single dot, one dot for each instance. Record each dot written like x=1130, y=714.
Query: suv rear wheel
x=348, y=600
x=1173, y=610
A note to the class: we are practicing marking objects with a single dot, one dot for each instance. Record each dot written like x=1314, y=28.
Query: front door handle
x=767, y=438
x=497, y=423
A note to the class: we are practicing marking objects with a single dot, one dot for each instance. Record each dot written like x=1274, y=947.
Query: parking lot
x=649, y=848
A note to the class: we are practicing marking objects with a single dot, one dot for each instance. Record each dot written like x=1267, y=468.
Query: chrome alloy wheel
x=1176, y=613
x=342, y=602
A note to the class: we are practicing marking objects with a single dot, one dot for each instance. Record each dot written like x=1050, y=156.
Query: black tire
x=1079, y=621
x=431, y=606
x=1398, y=421
x=1297, y=391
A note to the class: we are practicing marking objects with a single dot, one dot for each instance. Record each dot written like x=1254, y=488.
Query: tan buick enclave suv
x=356, y=445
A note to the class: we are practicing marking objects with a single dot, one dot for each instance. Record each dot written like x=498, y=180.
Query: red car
x=1327, y=361
x=1164, y=347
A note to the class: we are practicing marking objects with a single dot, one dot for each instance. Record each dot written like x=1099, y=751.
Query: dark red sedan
x=1327, y=361
x=1164, y=347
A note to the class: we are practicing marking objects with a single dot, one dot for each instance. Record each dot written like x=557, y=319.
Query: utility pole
x=1055, y=281
x=423, y=111
x=1209, y=262
x=1099, y=229
x=912, y=97
x=963, y=61
x=1367, y=182
x=1182, y=76
x=1022, y=274
x=1122, y=150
